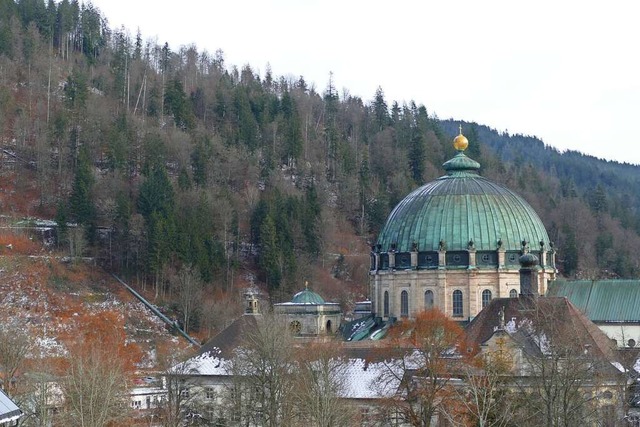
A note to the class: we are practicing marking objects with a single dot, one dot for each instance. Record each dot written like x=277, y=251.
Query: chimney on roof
x=529, y=275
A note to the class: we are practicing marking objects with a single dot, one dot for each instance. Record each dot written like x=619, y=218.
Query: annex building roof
x=601, y=301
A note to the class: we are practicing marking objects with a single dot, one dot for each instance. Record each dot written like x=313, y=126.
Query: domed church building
x=454, y=244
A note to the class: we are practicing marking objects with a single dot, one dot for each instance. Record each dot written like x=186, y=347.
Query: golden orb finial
x=460, y=142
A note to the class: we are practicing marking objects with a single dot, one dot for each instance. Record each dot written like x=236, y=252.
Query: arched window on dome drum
x=457, y=303
x=513, y=293
x=404, y=304
x=385, y=303
x=486, y=297
x=428, y=300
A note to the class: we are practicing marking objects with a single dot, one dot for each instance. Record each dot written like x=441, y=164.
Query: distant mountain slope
x=197, y=177
x=585, y=171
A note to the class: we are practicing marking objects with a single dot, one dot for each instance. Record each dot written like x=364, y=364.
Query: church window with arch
x=486, y=297
x=513, y=293
x=404, y=304
x=428, y=299
x=385, y=304
x=457, y=303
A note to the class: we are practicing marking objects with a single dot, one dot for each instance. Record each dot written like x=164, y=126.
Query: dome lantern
x=460, y=163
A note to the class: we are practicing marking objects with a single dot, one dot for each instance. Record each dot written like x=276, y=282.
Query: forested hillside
x=179, y=168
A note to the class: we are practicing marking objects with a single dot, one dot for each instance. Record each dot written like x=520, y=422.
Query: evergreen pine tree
x=569, y=250
x=380, y=110
x=417, y=156
x=81, y=208
x=270, y=253
x=292, y=134
x=61, y=220
x=311, y=215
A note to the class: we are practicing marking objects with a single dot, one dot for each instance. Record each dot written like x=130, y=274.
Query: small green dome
x=459, y=210
x=307, y=297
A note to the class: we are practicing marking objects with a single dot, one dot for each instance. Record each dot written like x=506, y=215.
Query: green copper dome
x=307, y=297
x=460, y=210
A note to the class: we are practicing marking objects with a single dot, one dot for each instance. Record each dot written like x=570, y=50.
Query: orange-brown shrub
x=17, y=243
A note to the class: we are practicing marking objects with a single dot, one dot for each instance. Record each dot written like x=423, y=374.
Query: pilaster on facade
x=443, y=302
x=442, y=259
x=472, y=258
x=502, y=256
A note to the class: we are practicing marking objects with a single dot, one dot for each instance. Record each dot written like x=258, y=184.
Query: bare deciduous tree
x=321, y=386
x=423, y=367
x=15, y=345
x=567, y=381
x=189, y=285
x=218, y=313
x=264, y=374
x=41, y=399
x=173, y=409
x=483, y=398
x=95, y=388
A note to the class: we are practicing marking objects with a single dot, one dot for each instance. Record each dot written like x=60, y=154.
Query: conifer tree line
x=169, y=158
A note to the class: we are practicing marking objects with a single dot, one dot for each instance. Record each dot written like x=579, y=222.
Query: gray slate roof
x=223, y=344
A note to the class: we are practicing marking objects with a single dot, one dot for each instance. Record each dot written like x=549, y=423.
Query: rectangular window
x=210, y=393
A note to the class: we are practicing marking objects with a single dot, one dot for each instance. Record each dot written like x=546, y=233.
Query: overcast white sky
x=566, y=71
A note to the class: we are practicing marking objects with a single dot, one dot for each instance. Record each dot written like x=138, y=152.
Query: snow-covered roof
x=361, y=379
x=365, y=380
x=9, y=411
x=203, y=364
x=307, y=303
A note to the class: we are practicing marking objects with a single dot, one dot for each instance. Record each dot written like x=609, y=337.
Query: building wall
x=470, y=281
x=314, y=319
x=143, y=398
x=621, y=332
x=315, y=324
